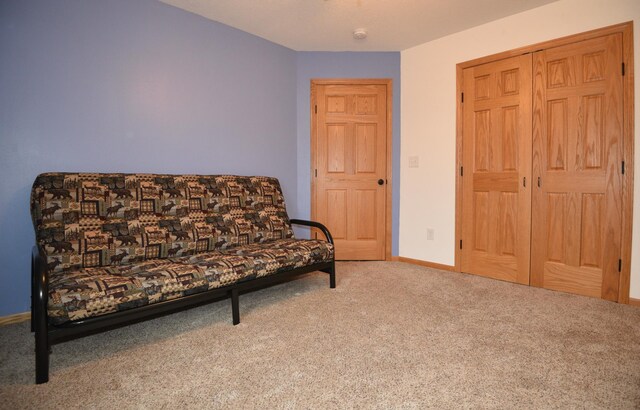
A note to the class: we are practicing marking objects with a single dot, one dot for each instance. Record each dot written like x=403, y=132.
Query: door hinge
x=316, y=173
x=461, y=171
x=316, y=109
x=622, y=167
x=460, y=243
x=461, y=97
x=619, y=265
x=623, y=68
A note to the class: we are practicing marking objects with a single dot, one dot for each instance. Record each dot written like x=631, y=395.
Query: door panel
x=336, y=199
x=497, y=169
x=351, y=157
x=577, y=154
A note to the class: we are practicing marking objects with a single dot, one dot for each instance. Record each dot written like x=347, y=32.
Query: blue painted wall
x=316, y=65
x=131, y=86
x=140, y=86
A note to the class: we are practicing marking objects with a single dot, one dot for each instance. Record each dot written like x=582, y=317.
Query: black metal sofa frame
x=47, y=334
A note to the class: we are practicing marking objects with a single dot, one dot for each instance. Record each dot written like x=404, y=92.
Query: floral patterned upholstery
x=119, y=241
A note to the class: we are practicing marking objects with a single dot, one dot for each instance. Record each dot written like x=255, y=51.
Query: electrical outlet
x=414, y=161
x=431, y=233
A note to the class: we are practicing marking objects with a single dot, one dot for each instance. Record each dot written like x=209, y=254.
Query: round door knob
x=381, y=182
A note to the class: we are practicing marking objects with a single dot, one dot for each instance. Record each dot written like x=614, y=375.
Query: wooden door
x=350, y=175
x=577, y=156
x=496, y=173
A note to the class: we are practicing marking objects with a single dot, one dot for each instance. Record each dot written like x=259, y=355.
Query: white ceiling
x=327, y=25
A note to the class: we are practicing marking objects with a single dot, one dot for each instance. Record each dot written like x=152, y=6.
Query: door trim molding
x=389, y=174
x=627, y=154
x=626, y=29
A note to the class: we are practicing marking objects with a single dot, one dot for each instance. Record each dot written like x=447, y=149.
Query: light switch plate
x=414, y=161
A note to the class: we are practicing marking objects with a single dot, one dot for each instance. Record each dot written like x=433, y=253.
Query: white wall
x=427, y=193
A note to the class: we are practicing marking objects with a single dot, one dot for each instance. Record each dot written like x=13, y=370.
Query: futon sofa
x=112, y=249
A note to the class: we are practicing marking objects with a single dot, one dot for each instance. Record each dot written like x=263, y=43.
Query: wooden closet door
x=577, y=156
x=496, y=206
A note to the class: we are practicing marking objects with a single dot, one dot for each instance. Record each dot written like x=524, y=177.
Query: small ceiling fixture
x=359, y=33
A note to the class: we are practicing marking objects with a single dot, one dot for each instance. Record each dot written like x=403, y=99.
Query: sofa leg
x=42, y=349
x=235, y=306
x=42, y=359
x=332, y=277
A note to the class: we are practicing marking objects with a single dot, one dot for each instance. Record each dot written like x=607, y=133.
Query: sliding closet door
x=496, y=192
x=577, y=157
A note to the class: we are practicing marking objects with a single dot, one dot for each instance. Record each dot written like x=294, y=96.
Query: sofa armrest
x=39, y=284
x=314, y=224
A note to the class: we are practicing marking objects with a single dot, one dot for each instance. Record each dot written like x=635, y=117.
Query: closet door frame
x=626, y=29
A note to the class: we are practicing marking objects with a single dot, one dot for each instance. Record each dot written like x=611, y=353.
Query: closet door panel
x=577, y=156
x=496, y=206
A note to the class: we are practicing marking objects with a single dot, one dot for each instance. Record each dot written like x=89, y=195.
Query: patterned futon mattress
x=89, y=292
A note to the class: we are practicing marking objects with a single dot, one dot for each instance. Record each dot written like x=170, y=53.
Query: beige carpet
x=391, y=335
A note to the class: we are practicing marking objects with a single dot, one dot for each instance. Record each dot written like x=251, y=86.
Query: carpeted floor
x=391, y=335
